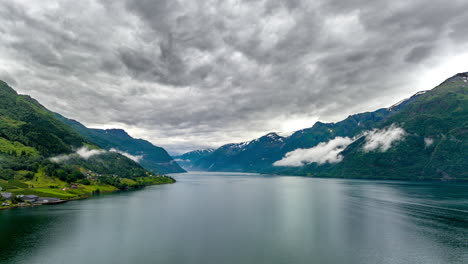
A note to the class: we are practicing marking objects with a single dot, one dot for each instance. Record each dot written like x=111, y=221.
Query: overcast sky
x=190, y=74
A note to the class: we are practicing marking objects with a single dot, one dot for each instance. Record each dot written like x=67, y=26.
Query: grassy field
x=45, y=186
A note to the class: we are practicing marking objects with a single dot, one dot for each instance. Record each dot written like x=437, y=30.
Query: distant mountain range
x=423, y=137
x=186, y=160
x=153, y=158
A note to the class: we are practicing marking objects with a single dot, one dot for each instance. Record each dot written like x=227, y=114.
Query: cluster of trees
x=30, y=135
x=28, y=166
x=63, y=172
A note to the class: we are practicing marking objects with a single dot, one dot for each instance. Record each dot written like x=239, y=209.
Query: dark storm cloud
x=187, y=74
x=418, y=53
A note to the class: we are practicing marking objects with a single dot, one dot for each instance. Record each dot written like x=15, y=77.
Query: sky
x=189, y=74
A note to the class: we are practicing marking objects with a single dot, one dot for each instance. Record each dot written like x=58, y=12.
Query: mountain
x=247, y=156
x=259, y=155
x=39, y=154
x=24, y=121
x=153, y=158
x=186, y=160
x=434, y=144
x=432, y=125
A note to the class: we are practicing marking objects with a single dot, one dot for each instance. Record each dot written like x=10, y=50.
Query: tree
x=29, y=175
x=7, y=174
x=16, y=199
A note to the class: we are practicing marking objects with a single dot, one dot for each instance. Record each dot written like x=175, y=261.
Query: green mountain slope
x=24, y=120
x=434, y=145
x=151, y=157
x=39, y=154
x=438, y=117
x=259, y=155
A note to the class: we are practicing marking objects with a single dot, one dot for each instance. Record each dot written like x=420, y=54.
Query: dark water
x=241, y=218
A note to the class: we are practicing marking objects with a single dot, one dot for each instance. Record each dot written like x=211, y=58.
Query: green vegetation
x=439, y=115
x=37, y=155
x=153, y=158
x=24, y=120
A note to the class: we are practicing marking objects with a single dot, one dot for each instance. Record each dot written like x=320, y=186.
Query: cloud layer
x=329, y=152
x=135, y=158
x=86, y=153
x=186, y=74
x=428, y=142
x=383, y=139
x=322, y=153
x=83, y=152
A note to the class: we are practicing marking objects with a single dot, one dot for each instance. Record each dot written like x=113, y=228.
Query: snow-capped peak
x=391, y=108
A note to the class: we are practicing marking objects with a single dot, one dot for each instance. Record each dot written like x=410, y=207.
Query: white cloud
x=87, y=153
x=136, y=158
x=182, y=160
x=428, y=142
x=83, y=152
x=322, y=153
x=61, y=158
x=382, y=139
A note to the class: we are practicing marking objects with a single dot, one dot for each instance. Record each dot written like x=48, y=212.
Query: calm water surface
x=247, y=218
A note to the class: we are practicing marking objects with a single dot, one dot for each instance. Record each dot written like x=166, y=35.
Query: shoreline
x=28, y=205
x=434, y=180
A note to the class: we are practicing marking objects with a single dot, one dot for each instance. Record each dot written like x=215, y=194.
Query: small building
x=7, y=195
x=5, y=204
x=30, y=198
x=48, y=200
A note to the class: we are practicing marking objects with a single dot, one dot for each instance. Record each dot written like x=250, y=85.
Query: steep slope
x=246, y=156
x=259, y=155
x=24, y=120
x=151, y=157
x=434, y=144
x=39, y=154
x=186, y=160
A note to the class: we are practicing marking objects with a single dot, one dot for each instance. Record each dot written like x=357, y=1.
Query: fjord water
x=247, y=218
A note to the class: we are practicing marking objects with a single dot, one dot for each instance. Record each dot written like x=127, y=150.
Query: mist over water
x=247, y=218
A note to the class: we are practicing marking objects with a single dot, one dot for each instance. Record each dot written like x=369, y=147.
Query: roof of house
x=6, y=194
x=48, y=199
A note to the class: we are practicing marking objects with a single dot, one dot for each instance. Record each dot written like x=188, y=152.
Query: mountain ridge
x=244, y=157
x=40, y=155
x=153, y=158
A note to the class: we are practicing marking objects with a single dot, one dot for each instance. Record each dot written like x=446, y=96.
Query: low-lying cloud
x=329, y=152
x=322, y=153
x=135, y=158
x=83, y=152
x=182, y=160
x=428, y=142
x=382, y=139
x=86, y=153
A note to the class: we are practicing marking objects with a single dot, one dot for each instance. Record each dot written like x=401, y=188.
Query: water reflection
x=237, y=218
x=24, y=230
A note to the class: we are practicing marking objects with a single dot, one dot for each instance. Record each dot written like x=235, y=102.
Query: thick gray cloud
x=186, y=74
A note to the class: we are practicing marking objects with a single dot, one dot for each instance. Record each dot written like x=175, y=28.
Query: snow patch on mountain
x=407, y=99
